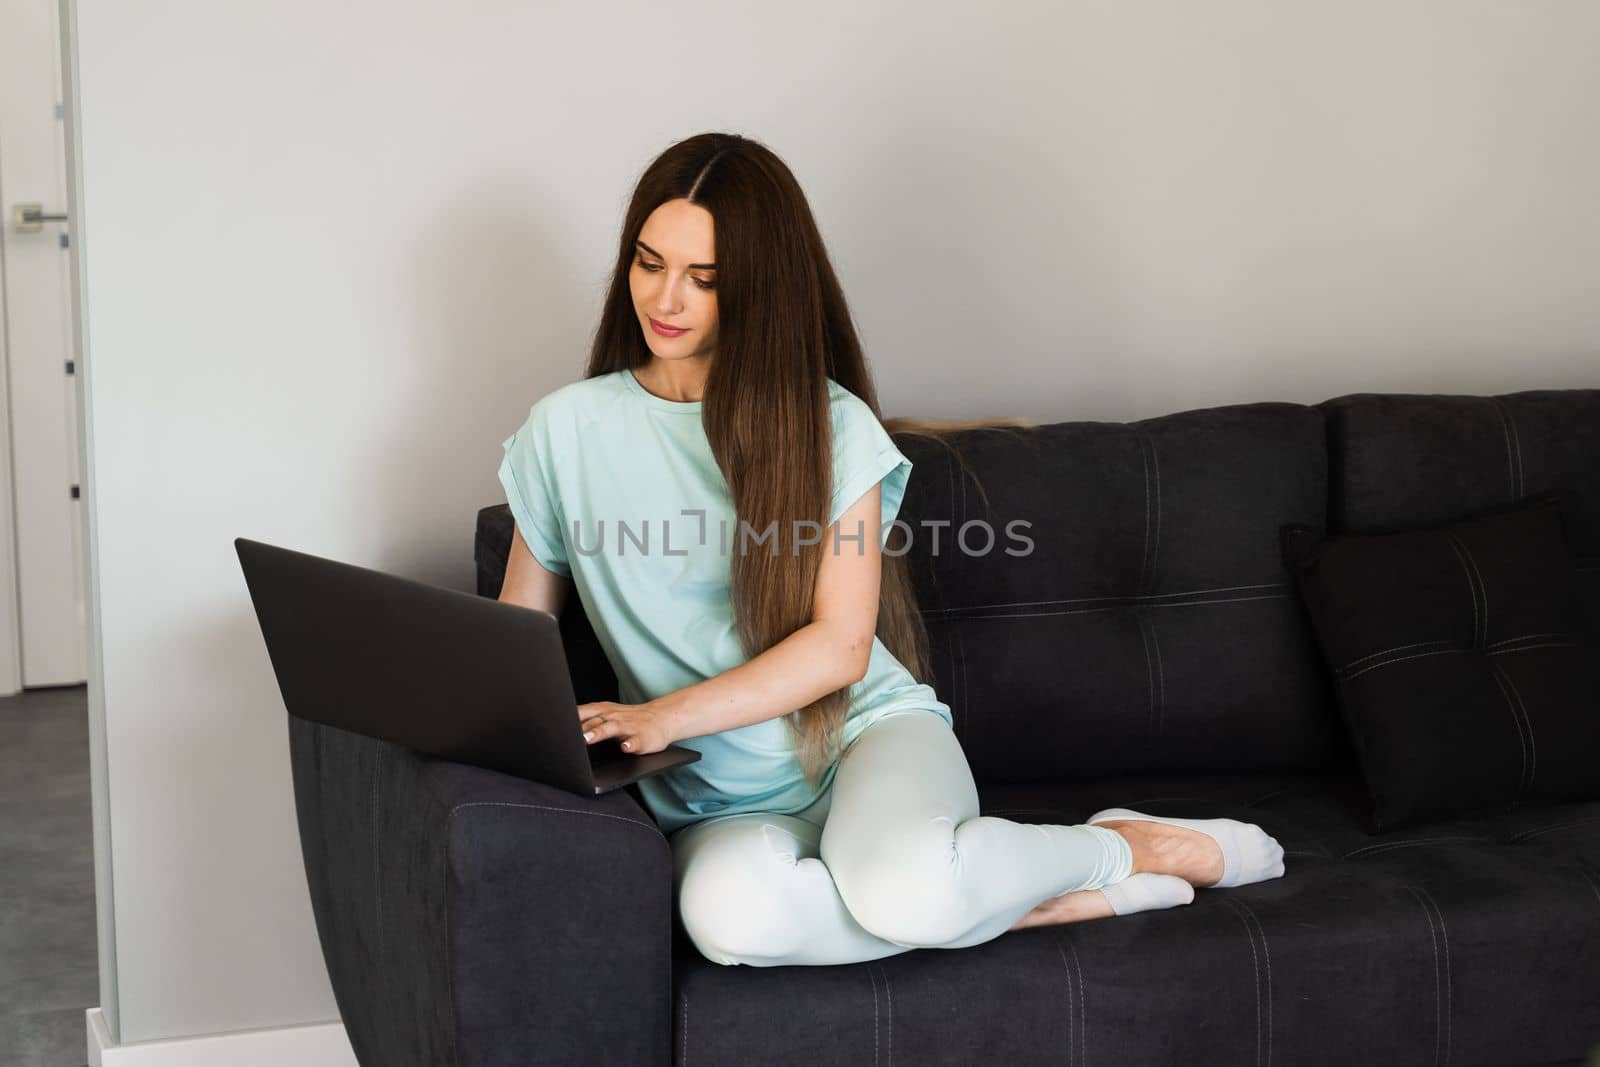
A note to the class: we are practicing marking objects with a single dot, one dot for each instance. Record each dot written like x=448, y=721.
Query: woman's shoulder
x=574, y=403
x=855, y=425
x=845, y=408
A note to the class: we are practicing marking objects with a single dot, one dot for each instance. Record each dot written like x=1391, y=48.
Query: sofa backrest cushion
x=1404, y=459
x=1152, y=624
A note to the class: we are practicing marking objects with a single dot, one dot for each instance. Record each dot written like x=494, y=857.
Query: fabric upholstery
x=1150, y=653
x=472, y=918
x=1473, y=941
x=1153, y=624
x=1405, y=459
x=1460, y=659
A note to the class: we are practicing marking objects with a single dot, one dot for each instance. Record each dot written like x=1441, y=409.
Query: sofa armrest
x=471, y=918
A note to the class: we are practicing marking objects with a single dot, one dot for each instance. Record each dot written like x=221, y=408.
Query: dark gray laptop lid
x=450, y=674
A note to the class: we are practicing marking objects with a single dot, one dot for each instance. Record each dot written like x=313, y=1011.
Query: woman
x=719, y=487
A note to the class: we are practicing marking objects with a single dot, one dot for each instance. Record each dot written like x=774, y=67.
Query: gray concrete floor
x=49, y=968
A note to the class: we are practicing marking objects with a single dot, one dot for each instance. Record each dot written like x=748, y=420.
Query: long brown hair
x=783, y=329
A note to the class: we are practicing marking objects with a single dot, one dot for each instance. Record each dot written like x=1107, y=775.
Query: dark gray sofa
x=1150, y=652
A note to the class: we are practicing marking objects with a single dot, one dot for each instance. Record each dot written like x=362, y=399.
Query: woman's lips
x=666, y=331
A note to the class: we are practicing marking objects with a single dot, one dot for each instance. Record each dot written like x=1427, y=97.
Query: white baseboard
x=317, y=1045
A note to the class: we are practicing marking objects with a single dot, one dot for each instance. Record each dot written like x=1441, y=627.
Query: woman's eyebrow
x=658, y=255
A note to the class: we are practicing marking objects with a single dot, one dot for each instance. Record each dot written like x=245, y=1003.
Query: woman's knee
x=907, y=891
x=732, y=894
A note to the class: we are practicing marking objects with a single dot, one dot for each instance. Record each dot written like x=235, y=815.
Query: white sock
x=1249, y=853
x=1146, y=890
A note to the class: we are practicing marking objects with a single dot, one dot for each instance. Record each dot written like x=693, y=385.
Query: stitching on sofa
x=1527, y=723
x=1266, y=952
x=1530, y=637
x=377, y=869
x=874, y=980
x=1530, y=648
x=963, y=521
x=1374, y=660
x=1227, y=600
x=1511, y=470
x=1449, y=992
x=546, y=807
x=1255, y=964
x=683, y=1030
x=1510, y=423
x=449, y=964
x=1144, y=552
x=1498, y=648
x=1161, y=681
x=1108, y=601
x=1589, y=879
x=1384, y=846
x=1537, y=831
x=1505, y=694
x=1472, y=589
x=1438, y=984
x=1402, y=659
x=1071, y=1027
x=1083, y=1018
x=888, y=994
x=1109, y=607
x=1516, y=441
x=1387, y=651
x=1483, y=591
x=1149, y=675
x=1479, y=622
x=1155, y=545
x=961, y=645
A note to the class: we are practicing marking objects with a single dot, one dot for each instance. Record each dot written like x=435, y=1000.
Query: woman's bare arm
x=828, y=653
x=528, y=583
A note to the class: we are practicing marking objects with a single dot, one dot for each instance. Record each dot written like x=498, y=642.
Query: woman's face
x=673, y=280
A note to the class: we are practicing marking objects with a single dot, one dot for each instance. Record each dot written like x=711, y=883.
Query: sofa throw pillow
x=1459, y=656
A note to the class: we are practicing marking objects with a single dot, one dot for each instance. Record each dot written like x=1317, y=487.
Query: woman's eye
x=653, y=267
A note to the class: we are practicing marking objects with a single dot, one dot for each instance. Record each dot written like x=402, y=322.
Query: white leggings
x=892, y=856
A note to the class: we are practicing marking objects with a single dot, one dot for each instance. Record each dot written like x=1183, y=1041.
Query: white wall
x=333, y=252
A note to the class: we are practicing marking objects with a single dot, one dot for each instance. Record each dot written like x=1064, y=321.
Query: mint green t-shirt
x=617, y=489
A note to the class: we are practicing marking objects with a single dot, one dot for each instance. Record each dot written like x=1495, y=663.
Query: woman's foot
x=1164, y=849
x=1137, y=892
x=1203, y=852
x=1074, y=907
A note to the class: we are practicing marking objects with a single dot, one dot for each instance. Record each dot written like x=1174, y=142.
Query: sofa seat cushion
x=1469, y=940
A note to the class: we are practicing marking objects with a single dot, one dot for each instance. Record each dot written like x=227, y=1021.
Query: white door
x=43, y=632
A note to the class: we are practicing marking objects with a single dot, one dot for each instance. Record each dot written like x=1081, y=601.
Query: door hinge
x=71, y=369
x=74, y=492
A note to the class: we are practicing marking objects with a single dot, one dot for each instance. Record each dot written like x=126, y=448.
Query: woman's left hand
x=641, y=727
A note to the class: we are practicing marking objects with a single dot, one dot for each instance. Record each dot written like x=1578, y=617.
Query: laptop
x=449, y=674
